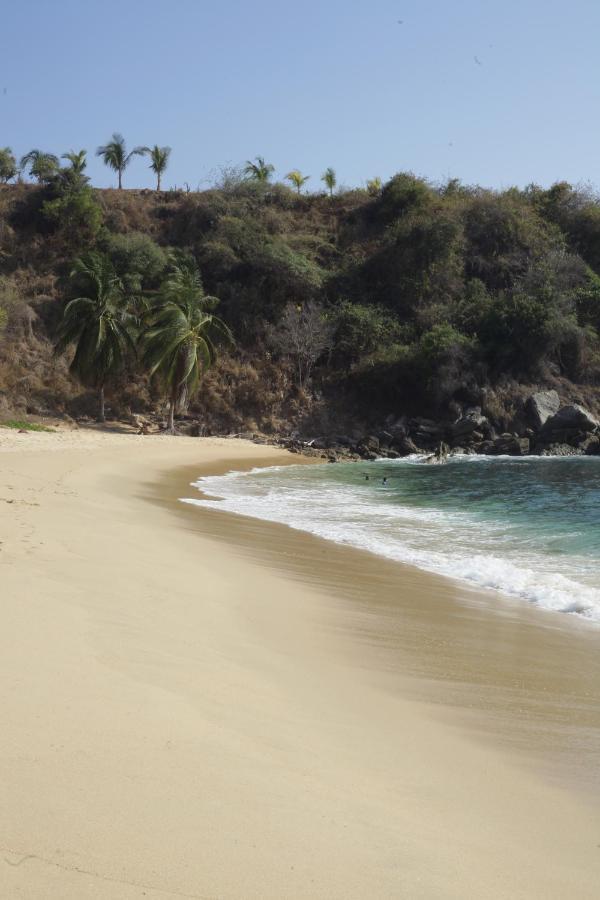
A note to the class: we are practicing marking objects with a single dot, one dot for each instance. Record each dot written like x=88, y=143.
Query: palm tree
x=42, y=166
x=97, y=323
x=78, y=161
x=8, y=165
x=297, y=179
x=179, y=338
x=330, y=179
x=374, y=186
x=258, y=171
x=114, y=154
x=159, y=158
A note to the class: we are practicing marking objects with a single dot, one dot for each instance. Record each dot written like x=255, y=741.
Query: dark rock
x=371, y=442
x=386, y=438
x=511, y=445
x=398, y=432
x=472, y=421
x=572, y=436
x=405, y=446
x=542, y=406
x=571, y=417
x=426, y=427
x=591, y=445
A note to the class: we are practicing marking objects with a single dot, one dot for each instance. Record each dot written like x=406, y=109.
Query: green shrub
x=76, y=214
x=402, y=194
x=361, y=329
x=136, y=258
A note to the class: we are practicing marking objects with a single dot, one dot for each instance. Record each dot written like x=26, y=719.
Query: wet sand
x=201, y=705
x=512, y=674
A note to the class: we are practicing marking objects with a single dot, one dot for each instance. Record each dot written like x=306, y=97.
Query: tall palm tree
x=258, y=171
x=297, y=179
x=42, y=166
x=8, y=165
x=159, y=159
x=78, y=161
x=330, y=179
x=115, y=155
x=97, y=323
x=181, y=330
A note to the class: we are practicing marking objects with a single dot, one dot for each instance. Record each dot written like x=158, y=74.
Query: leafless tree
x=303, y=333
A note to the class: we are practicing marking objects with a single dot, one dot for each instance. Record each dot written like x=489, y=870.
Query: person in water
x=384, y=480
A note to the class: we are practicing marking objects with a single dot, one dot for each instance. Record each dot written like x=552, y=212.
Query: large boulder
x=386, y=438
x=470, y=422
x=511, y=445
x=406, y=447
x=572, y=417
x=541, y=407
x=591, y=445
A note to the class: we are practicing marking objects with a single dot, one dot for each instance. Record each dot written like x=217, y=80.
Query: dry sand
x=196, y=705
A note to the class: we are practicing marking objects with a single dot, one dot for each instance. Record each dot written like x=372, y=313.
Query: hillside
x=349, y=312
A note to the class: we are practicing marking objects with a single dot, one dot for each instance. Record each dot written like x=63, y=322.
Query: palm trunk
x=171, y=425
x=120, y=185
x=101, y=417
x=158, y=182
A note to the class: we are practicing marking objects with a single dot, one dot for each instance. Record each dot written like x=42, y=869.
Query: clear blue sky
x=311, y=84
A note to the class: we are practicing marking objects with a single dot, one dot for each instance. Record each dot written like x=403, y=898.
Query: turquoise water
x=527, y=527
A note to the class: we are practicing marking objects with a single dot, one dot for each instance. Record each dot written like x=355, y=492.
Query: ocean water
x=527, y=527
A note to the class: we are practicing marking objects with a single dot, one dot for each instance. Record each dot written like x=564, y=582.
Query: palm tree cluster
x=261, y=172
x=115, y=156
x=45, y=166
x=174, y=338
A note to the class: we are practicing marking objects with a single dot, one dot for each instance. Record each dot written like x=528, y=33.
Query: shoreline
x=203, y=706
x=468, y=581
x=537, y=662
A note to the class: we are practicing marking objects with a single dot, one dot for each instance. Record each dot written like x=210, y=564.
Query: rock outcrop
x=472, y=421
x=569, y=418
x=542, y=406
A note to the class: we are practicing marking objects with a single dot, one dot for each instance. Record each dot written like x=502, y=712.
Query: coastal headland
x=206, y=706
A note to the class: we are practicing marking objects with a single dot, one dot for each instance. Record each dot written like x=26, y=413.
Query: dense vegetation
x=344, y=306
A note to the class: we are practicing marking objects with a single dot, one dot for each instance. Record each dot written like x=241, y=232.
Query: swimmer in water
x=384, y=480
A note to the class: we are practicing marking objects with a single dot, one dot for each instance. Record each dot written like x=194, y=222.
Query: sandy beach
x=204, y=706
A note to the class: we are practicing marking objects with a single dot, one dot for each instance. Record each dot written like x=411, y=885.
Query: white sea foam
x=449, y=543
